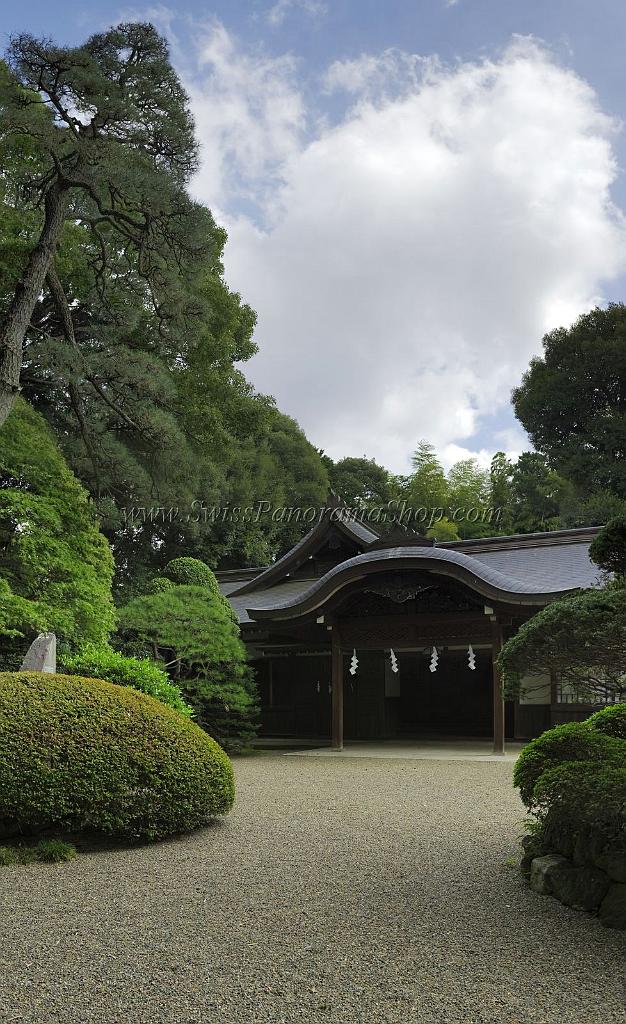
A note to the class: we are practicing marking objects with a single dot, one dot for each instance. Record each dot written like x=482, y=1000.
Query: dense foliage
x=56, y=566
x=115, y=313
x=581, y=640
x=191, y=572
x=84, y=755
x=573, y=780
x=112, y=147
x=192, y=630
x=572, y=401
x=608, y=548
x=102, y=662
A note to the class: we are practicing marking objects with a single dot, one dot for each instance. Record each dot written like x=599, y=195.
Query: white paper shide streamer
x=471, y=658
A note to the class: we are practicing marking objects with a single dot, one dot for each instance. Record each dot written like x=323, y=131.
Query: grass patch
x=47, y=851
x=55, y=851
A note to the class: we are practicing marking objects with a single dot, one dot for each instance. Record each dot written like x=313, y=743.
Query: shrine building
x=357, y=636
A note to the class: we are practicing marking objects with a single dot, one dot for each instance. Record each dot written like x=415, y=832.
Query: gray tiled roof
x=546, y=569
x=267, y=598
x=524, y=571
x=358, y=531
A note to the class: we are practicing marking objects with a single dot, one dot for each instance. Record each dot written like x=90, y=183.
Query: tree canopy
x=191, y=629
x=361, y=482
x=608, y=548
x=131, y=342
x=580, y=639
x=113, y=147
x=55, y=565
x=572, y=401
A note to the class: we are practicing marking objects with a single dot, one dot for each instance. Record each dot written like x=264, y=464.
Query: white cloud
x=314, y=8
x=387, y=74
x=250, y=118
x=406, y=259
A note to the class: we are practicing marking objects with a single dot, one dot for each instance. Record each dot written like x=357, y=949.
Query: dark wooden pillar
x=498, y=699
x=337, y=692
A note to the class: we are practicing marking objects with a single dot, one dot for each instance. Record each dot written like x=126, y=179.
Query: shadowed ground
x=340, y=890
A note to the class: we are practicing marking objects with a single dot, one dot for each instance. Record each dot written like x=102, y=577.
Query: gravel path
x=344, y=891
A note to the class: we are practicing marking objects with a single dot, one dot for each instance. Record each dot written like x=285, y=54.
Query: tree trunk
x=27, y=292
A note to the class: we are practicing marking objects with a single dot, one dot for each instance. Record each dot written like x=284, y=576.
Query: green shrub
x=158, y=584
x=191, y=572
x=227, y=708
x=56, y=567
x=193, y=631
x=85, y=755
x=610, y=720
x=140, y=673
x=54, y=851
x=583, y=799
x=8, y=855
x=574, y=741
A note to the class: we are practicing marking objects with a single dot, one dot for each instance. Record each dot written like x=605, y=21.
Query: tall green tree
x=362, y=483
x=469, y=499
x=133, y=344
x=538, y=492
x=501, y=492
x=113, y=149
x=572, y=401
x=427, y=486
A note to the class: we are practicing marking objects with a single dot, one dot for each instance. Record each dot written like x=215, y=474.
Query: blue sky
x=373, y=197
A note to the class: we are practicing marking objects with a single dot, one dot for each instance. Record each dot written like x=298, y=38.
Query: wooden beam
x=337, y=691
x=498, y=699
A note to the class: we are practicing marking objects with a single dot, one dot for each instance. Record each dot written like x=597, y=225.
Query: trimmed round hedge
x=610, y=720
x=85, y=755
x=191, y=572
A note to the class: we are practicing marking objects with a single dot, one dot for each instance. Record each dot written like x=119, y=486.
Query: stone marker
x=41, y=656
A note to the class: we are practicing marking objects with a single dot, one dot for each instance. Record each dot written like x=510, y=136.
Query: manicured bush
x=227, y=708
x=571, y=742
x=86, y=755
x=140, y=673
x=580, y=639
x=610, y=720
x=573, y=780
x=191, y=572
x=158, y=584
x=193, y=631
x=583, y=799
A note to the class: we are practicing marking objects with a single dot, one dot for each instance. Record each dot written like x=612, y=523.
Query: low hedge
x=140, y=673
x=85, y=755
